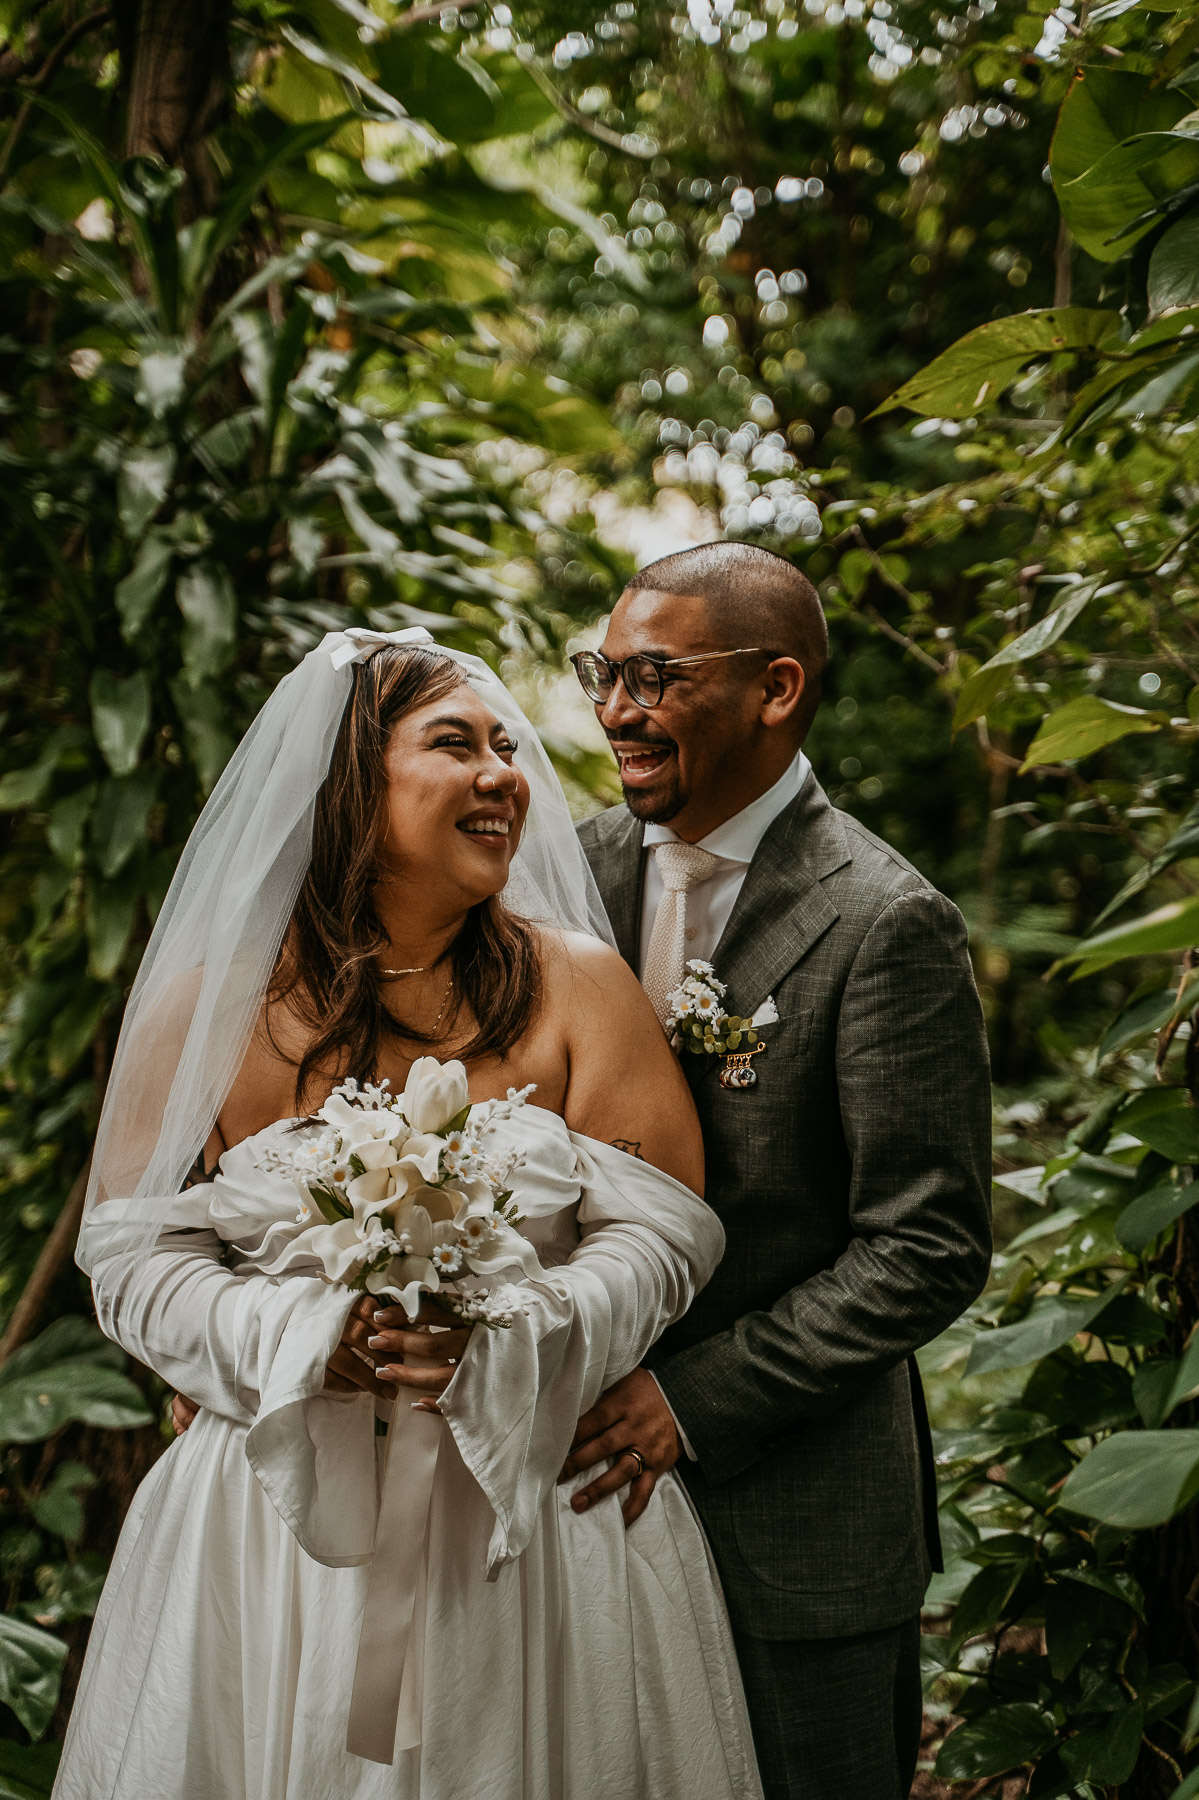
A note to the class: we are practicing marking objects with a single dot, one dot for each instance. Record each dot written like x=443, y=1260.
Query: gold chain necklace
x=445, y=1000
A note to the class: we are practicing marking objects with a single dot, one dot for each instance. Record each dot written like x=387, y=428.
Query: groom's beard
x=667, y=797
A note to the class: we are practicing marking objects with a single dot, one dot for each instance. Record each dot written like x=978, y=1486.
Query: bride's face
x=456, y=800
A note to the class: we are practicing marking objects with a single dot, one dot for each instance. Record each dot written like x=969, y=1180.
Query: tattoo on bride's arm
x=630, y=1146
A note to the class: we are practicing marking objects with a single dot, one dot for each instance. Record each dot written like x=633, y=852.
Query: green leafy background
x=452, y=315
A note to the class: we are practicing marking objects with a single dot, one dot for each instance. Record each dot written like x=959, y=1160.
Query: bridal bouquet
x=400, y=1195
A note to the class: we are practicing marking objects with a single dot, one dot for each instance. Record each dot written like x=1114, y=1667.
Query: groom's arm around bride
x=852, y=1177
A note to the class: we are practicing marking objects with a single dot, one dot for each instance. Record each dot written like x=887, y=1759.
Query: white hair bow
x=356, y=644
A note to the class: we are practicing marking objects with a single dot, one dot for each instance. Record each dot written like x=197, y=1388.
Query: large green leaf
x=111, y=915
x=205, y=722
x=70, y=1338
x=986, y=682
x=1165, y=1119
x=31, y=1664
x=523, y=105
x=65, y=826
x=1164, y=1382
x=1106, y=1751
x=58, y=1507
x=1116, y=202
x=1136, y=1479
x=1172, y=927
x=1146, y=1217
x=1083, y=726
x=452, y=93
x=119, y=821
x=27, y=787
x=1003, y=1738
x=35, y=1405
x=1147, y=1014
x=1174, y=266
x=206, y=599
x=146, y=474
x=120, y=716
x=1051, y=1321
x=1183, y=844
x=1103, y=108
x=977, y=369
x=137, y=592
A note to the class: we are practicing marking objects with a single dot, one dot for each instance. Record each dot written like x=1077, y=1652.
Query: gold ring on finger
x=637, y=1458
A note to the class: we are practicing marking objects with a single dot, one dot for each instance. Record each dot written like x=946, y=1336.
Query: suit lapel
x=782, y=909
x=618, y=874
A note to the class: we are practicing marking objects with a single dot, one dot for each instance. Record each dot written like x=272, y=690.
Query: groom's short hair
x=753, y=597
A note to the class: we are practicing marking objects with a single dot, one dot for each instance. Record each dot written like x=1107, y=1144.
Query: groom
x=852, y=1177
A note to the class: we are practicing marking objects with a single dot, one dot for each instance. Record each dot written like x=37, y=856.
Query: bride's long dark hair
x=327, y=970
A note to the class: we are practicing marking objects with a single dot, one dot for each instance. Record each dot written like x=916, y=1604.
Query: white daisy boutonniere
x=699, y=1023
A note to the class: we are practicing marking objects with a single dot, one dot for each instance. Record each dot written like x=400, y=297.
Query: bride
x=309, y=1603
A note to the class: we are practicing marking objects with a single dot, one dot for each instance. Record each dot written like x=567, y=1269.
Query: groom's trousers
x=835, y=1718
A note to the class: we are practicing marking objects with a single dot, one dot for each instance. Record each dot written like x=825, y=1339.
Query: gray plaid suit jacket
x=853, y=1181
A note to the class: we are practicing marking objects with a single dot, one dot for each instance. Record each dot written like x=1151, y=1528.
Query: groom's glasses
x=645, y=677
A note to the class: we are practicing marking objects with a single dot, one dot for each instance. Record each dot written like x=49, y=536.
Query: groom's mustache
x=639, y=735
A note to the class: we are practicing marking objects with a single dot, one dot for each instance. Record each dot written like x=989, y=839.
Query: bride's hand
x=351, y=1368
x=425, y=1337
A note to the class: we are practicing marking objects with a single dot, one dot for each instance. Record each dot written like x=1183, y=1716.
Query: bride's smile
x=456, y=801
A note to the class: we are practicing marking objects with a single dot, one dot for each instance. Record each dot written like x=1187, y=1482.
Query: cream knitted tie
x=681, y=866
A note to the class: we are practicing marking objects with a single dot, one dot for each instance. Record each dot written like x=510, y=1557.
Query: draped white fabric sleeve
x=247, y=1347
x=254, y=1348
x=648, y=1246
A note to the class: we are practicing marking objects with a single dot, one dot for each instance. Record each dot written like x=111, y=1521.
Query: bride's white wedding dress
x=551, y=1657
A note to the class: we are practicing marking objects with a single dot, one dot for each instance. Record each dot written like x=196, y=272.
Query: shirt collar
x=738, y=838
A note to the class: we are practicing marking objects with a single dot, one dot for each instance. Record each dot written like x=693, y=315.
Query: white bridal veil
x=202, y=982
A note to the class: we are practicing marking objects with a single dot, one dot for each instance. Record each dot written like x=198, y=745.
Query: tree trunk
x=176, y=53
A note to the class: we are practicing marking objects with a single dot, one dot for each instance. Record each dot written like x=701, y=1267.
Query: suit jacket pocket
x=839, y=1504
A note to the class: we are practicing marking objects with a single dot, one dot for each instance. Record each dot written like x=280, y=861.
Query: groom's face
x=677, y=758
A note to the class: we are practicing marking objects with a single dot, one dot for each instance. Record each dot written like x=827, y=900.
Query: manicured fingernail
x=375, y=1343
x=378, y=1318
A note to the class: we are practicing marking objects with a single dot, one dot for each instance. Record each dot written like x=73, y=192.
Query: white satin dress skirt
x=549, y=1656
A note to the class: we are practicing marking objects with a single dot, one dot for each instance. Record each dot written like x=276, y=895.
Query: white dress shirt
x=710, y=903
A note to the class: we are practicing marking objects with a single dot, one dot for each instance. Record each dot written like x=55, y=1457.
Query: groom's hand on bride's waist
x=631, y=1416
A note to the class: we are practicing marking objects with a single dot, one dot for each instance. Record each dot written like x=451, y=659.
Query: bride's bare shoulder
x=582, y=970
x=625, y=1085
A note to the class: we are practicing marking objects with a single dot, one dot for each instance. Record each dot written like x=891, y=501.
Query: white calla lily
x=370, y=1192
x=340, y=1247
x=417, y=1276
x=476, y=1197
x=434, y=1093
x=506, y=1250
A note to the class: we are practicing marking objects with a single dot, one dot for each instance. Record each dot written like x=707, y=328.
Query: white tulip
x=422, y=1155
x=434, y=1093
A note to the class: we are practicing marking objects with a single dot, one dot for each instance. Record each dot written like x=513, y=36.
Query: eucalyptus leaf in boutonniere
x=698, y=1021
